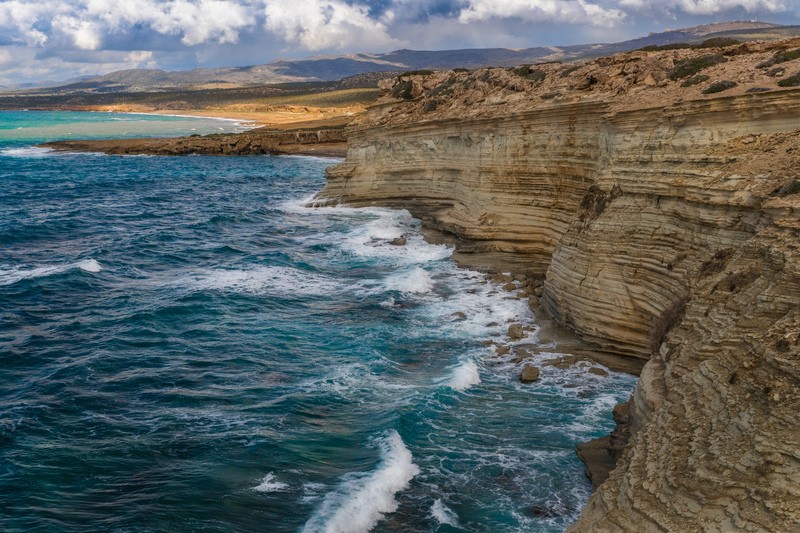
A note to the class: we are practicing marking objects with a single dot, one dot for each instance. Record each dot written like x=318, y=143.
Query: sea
x=186, y=346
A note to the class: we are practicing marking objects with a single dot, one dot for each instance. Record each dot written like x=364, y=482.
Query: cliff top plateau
x=625, y=81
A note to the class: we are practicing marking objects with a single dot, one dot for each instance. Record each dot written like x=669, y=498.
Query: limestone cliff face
x=664, y=233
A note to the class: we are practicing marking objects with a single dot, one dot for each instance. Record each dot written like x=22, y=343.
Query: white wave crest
x=269, y=484
x=28, y=152
x=89, y=265
x=464, y=376
x=360, y=502
x=417, y=281
x=9, y=276
x=443, y=514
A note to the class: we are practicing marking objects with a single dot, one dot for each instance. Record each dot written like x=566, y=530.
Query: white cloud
x=558, y=11
x=85, y=22
x=198, y=22
x=706, y=7
x=20, y=18
x=19, y=64
x=84, y=34
x=325, y=24
x=5, y=56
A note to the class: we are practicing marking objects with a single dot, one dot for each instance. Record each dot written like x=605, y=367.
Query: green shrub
x=403, y=90
x=717, y=42
x=691, y=66
x=569, y=70
x=461, y=70
x=671, y=46
x=430, y=106
x=714, y=42
x=781, y=57
x=694, y=80
x=444, y=88
x=720, y=86
x=418, y=73
x=791, y=81
x=537, y=75
x=522, y=70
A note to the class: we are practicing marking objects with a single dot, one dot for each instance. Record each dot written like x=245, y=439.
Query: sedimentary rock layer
x=670, y=232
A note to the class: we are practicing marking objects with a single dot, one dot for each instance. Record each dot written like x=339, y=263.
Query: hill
x=334, y=68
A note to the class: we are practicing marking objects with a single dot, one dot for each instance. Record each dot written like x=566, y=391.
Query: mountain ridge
x=333, y=68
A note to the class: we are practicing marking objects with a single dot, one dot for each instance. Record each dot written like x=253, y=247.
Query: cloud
x=84, y=34
x=560, y=11
x=325, y=24
x=5, y=56
x=85, y=22
x=23, y=21
x=706, y=7
x=191, y=33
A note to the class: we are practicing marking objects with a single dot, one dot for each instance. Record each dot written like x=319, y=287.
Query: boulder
x=529, y=374
x=515, y=332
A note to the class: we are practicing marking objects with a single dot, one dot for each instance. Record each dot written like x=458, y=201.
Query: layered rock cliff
x=664, y=214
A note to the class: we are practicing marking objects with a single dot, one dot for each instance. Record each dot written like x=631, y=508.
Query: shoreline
x=277, y=117
x=256, y=141
x=271, y=133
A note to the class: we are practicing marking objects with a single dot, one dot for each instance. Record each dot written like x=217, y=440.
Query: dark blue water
x=185, y=347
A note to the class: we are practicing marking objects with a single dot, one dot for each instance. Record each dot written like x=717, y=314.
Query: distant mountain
x=339, y=67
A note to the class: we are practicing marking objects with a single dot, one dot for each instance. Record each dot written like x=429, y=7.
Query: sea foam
x=28, y=152
x=361, y=501
x=464, y=376
x=269, y=484
x=417, y=280
x=443, y=514
x=284, y=281
x=9, y=276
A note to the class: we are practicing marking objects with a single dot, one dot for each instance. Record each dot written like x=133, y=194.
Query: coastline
x=276, y=117
x=267, y=133
x=258, y=141
x=665, y=235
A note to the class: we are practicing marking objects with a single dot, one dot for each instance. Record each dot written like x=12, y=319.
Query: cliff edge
x=657, y=193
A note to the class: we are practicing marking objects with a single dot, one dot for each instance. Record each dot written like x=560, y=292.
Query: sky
x=47, y=40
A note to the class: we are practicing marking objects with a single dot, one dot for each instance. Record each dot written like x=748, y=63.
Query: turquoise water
x=185, y=347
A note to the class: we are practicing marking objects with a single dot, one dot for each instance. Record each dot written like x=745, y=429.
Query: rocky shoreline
x=656, y=194
x=323, y=142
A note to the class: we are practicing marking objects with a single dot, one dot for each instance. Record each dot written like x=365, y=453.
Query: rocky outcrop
x=323, y=142
x=666, y=223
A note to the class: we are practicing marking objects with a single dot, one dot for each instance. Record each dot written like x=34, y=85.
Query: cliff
x=658, y=196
